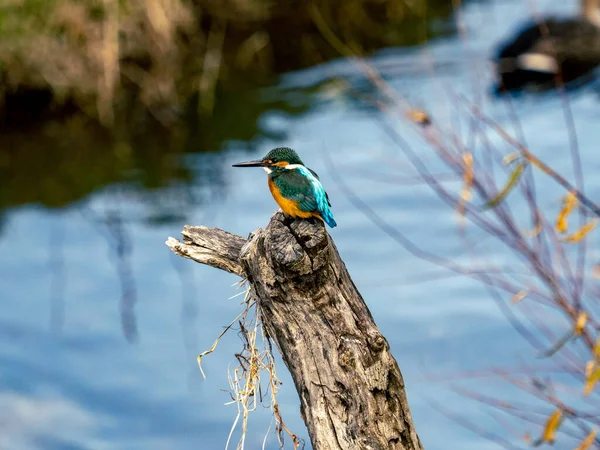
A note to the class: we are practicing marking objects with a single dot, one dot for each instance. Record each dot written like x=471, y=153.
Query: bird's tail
x=328, y=218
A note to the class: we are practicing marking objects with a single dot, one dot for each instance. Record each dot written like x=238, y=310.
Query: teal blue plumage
x=303, y=186
x=295, y=187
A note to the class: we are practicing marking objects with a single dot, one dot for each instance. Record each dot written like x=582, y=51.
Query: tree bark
x=350, y=387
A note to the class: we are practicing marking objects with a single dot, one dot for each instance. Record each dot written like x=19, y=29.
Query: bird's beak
x=251, y=164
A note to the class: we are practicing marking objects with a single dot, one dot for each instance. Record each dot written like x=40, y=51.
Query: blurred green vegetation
x=95, y=92
x=55, y=162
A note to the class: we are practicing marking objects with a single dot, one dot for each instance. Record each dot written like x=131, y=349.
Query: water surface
x=101, y=325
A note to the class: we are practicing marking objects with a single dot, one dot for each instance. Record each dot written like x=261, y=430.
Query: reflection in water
x=121, y=244
x=57, y=163
x=190, y=310
x=60, y=162
x=113, y=228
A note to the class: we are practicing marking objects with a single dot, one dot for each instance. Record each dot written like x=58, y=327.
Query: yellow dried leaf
x=580, y=323
x=512, y=181
x=465, y=193
x=591, y=381
x=551, y=426
x=569, y=202
x=589, y=367
x=561, y=223
x=468, y=176
x=511, y=157
x=597, y=348
x=519, y=296
x=418, y=116
x=581, y=233
x=586, y=444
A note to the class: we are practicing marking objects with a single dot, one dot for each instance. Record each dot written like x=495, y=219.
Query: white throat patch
x=267, y=170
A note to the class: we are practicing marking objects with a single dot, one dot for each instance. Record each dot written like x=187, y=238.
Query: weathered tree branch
x=350, y=387
x=210, y=246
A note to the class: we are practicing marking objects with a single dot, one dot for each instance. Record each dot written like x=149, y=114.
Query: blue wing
x=317, y=177
x=303, y=186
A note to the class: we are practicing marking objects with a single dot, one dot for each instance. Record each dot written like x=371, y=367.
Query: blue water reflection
x=74, y=377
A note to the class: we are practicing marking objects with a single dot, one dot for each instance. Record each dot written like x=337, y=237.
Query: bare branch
x=210, y=246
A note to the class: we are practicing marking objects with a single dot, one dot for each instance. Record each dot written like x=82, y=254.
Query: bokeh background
x=119, y=124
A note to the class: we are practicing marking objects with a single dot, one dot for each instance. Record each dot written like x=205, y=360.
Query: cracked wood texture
x=350, y=387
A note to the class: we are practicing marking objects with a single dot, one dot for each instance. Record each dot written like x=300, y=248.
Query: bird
x=569, y=47
x=296, y=188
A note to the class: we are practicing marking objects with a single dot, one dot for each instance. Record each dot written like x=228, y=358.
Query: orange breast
x=289, y=207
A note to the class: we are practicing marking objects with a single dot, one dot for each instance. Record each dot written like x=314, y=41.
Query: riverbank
x=107, y=58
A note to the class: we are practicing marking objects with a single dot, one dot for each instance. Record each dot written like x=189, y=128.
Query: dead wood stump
x=350, y=387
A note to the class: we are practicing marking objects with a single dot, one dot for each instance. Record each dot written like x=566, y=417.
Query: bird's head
x=277, y=159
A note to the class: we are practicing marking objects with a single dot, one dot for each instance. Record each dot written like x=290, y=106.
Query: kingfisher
x=296, y=188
